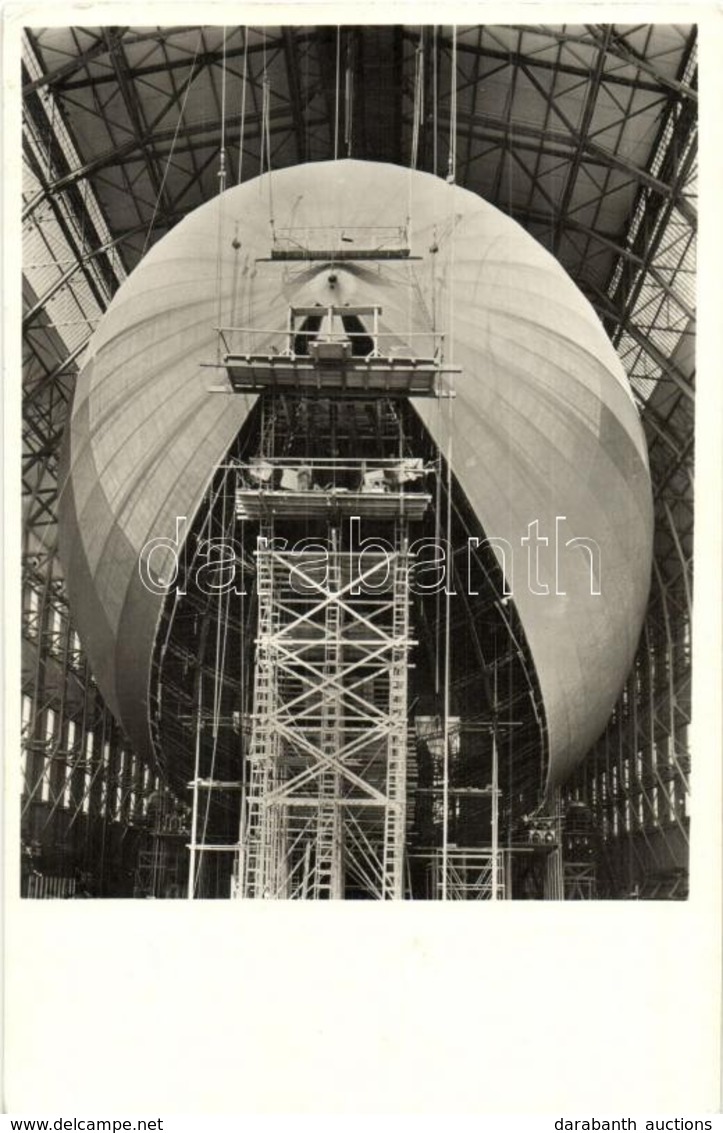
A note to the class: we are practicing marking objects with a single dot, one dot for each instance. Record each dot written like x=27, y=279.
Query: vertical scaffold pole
x=325, y=797
x=194, y=812
x=448, y=582
x=495, y=808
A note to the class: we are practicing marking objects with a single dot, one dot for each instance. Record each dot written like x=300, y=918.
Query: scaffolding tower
x=324, y=811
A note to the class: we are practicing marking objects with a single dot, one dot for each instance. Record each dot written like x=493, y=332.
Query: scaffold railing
x=298, y=338
x=467, y=874
x=312, y=242
x=319, y=488
x=334, y=350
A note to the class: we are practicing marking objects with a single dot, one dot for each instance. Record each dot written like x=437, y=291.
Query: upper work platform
x=333, y=244
x=330, y=352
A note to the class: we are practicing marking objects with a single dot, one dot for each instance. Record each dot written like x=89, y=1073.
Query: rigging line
x=236, y=245
x=452, y=160
x=242, y=693
x=336, y=93
x=348, y=95
x=169, y=159
x=262, y=142
x=192, y=873
x=221, y=643
x=448, y=577
x=418, y=88
x=413, y=165
x=242, y=124
x=435, y=93
x=437, y=540
x=218, y=685
x=222, y=171
x=194, y=840
x=267, y=129
x=449, y=340
x=221, y=188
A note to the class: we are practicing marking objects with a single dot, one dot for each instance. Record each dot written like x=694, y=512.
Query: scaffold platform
x=259, y=503
x=327, y=351
x=324, y=242
x=346, y=377
x=314, y=489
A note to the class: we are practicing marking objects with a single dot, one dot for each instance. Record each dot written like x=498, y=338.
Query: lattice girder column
x=325, y=806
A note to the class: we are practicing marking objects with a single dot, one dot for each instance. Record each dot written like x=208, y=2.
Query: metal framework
x=335, y=359
x=84, y=793
x=162, y=864
x=586, y=135
x=467, y=875
x=326, y=793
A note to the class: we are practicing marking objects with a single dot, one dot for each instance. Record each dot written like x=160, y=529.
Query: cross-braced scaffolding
x=86, y=100
x=325, y=810
x=467, y=874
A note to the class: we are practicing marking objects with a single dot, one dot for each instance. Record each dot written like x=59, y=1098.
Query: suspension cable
x=452, y=162
x=449, y=582
x=222, y=626
x=221, y=188
x=192, y=872
x=169, y=159
x=336, y=93
x=222, y=155
x=435, y=94
x=267, y=130
x=418, y=99
x=348, y=96
x=449, y=355
x=262, y=143
x=242, y=124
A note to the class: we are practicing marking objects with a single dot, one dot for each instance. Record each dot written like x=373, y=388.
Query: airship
x=356, y=528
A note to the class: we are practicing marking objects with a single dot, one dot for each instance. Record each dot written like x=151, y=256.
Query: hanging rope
x=416, y=121
x=447, y=674
x=418, y=81
x=336, y=93
x=224, y=599
x=449, y=354
x=242, y=124
x=222, y=155
x=435, y=93
x=262, y=147
x=243, y=697
x=449, y=580
x=264, y=76
x=221, y=188
x=348, y=97
x=452, y=163
x=266, y=130
x=169, y=159
x=192, y=871
x=418, y=99
x=438, y=541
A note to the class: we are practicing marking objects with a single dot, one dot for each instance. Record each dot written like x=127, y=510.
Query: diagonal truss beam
x=617, y=45
x=77, y=63
x=514, y=58
x=608, y=309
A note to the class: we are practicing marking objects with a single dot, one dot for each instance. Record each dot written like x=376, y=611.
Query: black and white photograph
x=357, y=473
x=361, y=543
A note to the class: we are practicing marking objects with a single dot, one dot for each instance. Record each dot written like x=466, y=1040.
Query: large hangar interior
x=299, y=304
